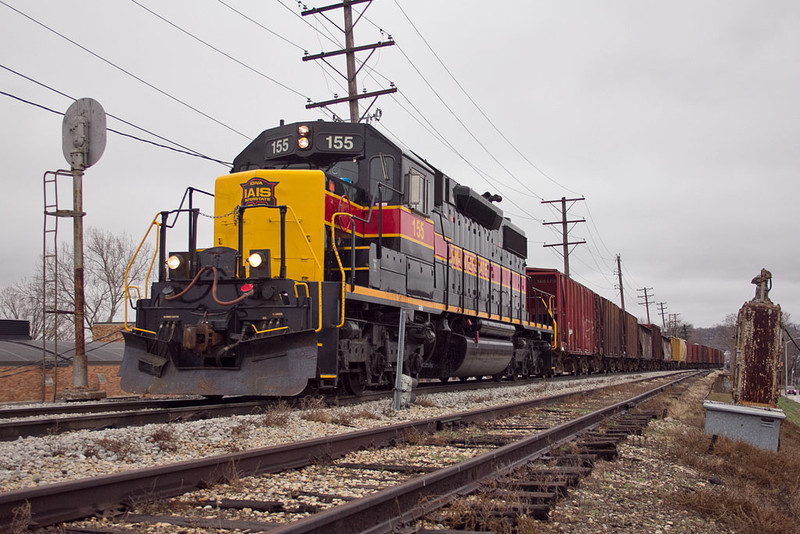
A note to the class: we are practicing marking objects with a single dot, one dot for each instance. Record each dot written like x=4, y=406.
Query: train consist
x=332, y=248
x=592, y=334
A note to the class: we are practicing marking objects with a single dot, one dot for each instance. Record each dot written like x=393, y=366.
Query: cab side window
x=381, y=171
x=418, y=187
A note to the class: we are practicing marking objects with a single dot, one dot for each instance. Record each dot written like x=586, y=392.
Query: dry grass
x=753, y=490
x=425, y=402
x=21, y=520
x=276, y=415
x=122, y=448
x=165, y=438
x=314, y=409
x=478, y=398
x=412, y=436
x=348, y=418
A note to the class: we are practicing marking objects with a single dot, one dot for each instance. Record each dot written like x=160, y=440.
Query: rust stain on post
x=758, y=344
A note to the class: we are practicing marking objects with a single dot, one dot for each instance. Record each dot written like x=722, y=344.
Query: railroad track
x=56, y=419
x=520, y=433
x=50, y=420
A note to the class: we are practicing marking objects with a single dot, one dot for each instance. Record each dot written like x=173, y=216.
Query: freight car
x=592, y=334
x=332, y=248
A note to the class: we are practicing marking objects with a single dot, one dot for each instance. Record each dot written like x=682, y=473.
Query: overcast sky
x=678, y=121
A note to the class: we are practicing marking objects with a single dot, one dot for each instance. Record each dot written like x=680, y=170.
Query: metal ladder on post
x=50, y=310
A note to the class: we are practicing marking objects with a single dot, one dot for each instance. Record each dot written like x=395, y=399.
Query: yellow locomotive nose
x=262, y=193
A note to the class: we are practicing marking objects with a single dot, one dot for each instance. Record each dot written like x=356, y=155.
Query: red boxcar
x=573, y=308
x=631, y=331
x=609, y=328
x=692, y=353
x=702, y=356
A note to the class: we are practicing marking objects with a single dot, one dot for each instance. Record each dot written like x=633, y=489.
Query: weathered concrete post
x=753, y=416
x=756, y=379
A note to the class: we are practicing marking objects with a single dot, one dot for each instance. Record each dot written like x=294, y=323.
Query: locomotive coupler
x=199, y=337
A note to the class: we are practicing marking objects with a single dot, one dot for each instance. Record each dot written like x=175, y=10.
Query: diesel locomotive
x=324, y=233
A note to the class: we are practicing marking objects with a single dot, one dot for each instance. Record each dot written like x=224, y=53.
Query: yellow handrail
x=138, y=291
x=147, y=277
x=338, y=259
x=296, y=283
x=548, y=305
x=268, y=330
x=308, y=296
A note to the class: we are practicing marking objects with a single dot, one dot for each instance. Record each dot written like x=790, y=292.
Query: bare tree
x=22, y=300
x=106, y=258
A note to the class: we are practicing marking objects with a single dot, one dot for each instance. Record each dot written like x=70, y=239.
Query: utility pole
x=673, y=322
x=621, y=289
x=663, y=312
x=350, y=59
x=646, y=298
x=565, y=243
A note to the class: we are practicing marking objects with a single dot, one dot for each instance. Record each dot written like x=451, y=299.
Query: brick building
x=24, y=378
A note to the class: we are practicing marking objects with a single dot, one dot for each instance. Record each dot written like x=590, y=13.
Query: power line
x=245, y=65
x=195, y=154
x=109, y=62
x=448, y=145
x=463, y=125
x=431, y=128
x=61, y=93
x=305, y=21
x=262, y=26
x=469, y=97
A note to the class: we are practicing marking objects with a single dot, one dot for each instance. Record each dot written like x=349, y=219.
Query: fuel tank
x=486, y=356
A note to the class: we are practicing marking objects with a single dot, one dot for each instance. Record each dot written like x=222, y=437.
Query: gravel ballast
x=34, y=461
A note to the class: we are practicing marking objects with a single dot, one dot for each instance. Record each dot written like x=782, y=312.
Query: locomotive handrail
x=267, y=331
x=149, y=270
x=308, y=296
x=319, y=307
x=339, y=259
x=549, y=307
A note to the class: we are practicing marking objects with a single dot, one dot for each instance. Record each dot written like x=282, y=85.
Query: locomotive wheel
x=353, y=382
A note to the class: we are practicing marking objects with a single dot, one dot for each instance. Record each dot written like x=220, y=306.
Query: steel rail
x=108, y=405
x=67, y=501
x=388, y=510
x=134, y=413
x=108, y=415
x=11, y=430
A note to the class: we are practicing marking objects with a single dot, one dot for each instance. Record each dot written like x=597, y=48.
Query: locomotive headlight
x=259, y=262
x=178, y=265
x=303, y=137
x=174, y=262
x=255, y=260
